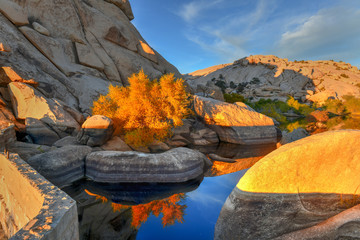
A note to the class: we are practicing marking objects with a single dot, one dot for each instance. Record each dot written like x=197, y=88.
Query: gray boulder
x=27, y=150
x=288, y=137
x=40, y=132
x=61, y=166
x=176, y=165
x=66, y=141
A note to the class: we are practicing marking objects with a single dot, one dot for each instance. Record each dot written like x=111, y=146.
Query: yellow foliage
x=146, y=110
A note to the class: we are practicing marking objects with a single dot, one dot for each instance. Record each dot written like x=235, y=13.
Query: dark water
x=162, y=211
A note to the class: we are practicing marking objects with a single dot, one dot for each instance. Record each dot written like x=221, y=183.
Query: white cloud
x=192, y=9
x=228, y=36
x=331, y=33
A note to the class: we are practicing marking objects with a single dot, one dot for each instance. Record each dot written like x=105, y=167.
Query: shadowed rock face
x=176, y=165
x=268, y=216
x=298, y=191
x=61, y=166
x=74, y=49
x=234, y=123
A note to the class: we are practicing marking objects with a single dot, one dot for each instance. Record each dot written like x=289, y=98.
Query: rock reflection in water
x=116, y=211
x=243, y=156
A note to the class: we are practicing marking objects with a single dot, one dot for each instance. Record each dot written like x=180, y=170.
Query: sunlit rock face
x=324, y=163
x=176, y=165
x=234, y=123
x=270, y=77
x=74, y=50
x=299, y=191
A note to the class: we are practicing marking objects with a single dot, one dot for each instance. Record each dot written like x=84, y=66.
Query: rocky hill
x=271, y=77
x=72, y=50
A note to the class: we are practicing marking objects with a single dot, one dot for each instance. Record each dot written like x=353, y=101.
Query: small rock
x=318, y=116
x=41, y=29
x=157, y=146
x=116, y=144
x=95, y=131
x=66, y=141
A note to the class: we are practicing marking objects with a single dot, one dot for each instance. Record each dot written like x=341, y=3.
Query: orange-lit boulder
x=96, y=131
x=234, y=123
x=324, y=163
x=298, y=192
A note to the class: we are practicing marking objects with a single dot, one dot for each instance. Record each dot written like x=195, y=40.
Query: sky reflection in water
x=203, y=208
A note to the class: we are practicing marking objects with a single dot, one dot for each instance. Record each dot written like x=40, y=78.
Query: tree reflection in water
x=171, y=208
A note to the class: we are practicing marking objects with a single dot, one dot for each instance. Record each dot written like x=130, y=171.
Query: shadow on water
x=133, y=193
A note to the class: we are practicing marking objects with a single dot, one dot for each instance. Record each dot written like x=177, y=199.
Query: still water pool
x=162, y=211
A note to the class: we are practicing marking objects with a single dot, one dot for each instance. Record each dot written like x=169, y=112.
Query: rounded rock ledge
x=176, y=165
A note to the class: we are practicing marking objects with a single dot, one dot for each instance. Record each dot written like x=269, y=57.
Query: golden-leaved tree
x=145, y=110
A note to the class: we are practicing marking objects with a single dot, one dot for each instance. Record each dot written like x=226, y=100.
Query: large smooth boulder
x=61, y=166
x=301, y=187
x=234, y=123
x=96, y=131
x=176, y=165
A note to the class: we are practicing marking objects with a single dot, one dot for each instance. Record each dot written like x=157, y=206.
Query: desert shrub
x=334, y=106
x=255, y=80
x=145, y=110
x=352, y=104
x=344, y=75
x=234, y=97
x=221, y=84
x=271, y=108
x=299, y=108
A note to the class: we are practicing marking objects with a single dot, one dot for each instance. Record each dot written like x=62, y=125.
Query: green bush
x=234, y=97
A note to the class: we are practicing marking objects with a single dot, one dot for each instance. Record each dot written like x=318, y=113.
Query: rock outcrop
x=270, y=77
x=74, y=49
x=234, y=123
x=176, y=165
x=61, y=166
x=302, y=187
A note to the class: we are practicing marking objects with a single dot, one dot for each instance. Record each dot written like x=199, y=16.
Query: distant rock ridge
x=271, y=77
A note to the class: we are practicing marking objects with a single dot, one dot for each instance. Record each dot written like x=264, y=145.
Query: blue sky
x=194, y=34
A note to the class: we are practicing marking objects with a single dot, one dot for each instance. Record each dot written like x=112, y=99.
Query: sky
x=195, y=34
